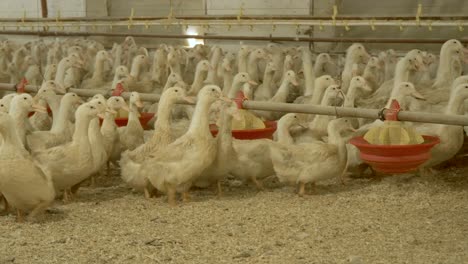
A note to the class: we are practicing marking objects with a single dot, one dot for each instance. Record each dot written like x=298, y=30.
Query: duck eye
x=176, y=91
x=25, y=98
x=92, y=107
x=407, y=85
x=2, y=105
x=212, y=89
x=117, y=99
x=466, y=86
x=327, y=79
x=99, y=102
x=73, y=94
x=295, y=116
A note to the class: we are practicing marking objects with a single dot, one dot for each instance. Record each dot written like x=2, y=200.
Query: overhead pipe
x=212, y=37
x=238, y=22
x=459, y=120
x=231, y=17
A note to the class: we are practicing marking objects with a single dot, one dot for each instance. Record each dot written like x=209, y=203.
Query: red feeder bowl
x=395, y=159
x=247, y=134
x=122, y=121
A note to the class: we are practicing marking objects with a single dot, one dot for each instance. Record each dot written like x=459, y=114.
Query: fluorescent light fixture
x=191, y=41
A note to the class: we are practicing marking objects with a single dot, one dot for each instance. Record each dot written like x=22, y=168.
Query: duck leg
x=148, y=194
x=220, y=190
x=171, y=195
x=67, y=196
x=6, y=206
x=19, y=216
x=186, y=197
x=258, y=184
x=301, y=189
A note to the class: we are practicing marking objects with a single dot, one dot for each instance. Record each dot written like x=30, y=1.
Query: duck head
x=177, y=94
x=211, y=93
x=27, y=103
x=408, y=89
x=243, y=77
x=117, y=102
x=135, y=99
x=360, y=82
x=291, y=77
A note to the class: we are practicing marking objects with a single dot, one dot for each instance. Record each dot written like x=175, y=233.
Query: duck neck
x=227, y=80
x=253, y=67
x=454, y=106
x=284, y=136
x=317, y=95
x=309, y=75
x=199, y=124
x=80, y=134
x=109, y=122
x=282, y=94
x=59, y=124
x=242, y=64
x=20, y=115
x=200, y=76
x=94, y=128
x=133, y=116
x=401, y=71
x=444, y=71
x=61, y=70
x=98, y=69
x=136, y=69
x=11, y=140
x=54, y=104
x=350, y=96
x=225, y=135
x=236, y=87
x=164, y=115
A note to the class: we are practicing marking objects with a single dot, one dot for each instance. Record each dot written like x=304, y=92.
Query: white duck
x=280, y=96
x=242, y=56
x=46, y=96
x=60, y=131
x=20, y=107
x=267, y=89
x=451, y=137
x=201, y=73
x=98, y=78
x=315, y=96
x=225, y=153
x=96, y=139
x=317, y=129
x=253, y=162
x=174, y=168
x=252, y=64
x=22, y=183
x=355, y=54
x=72, y=163
x=410, y=63
x=311, y=162
x=131, y=135
x=131, y=161
x=109, y=129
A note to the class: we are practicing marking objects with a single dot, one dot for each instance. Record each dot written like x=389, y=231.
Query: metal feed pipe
x=256, y=38
x=459, y=120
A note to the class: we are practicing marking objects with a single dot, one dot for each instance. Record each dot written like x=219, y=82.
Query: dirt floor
x=398, y=219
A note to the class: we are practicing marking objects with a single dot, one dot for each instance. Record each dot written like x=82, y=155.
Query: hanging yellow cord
x=418, y=14
x=130, y=19
x=335, y=13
